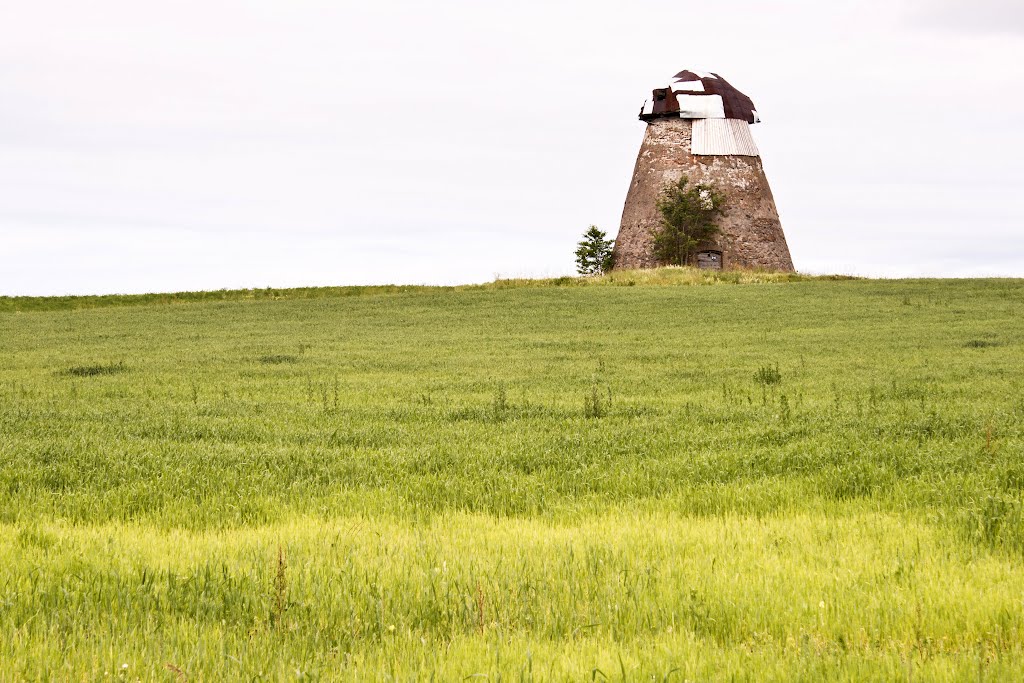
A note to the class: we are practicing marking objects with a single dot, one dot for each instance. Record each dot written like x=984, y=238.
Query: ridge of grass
x=665, y=277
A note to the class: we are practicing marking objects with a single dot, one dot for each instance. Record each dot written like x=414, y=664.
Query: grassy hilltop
x=768, y=478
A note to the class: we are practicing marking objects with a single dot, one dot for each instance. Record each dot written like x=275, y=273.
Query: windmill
x=699, y=126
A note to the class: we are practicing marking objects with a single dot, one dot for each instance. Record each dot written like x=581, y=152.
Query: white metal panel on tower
x=688, y=86
x=701, y=106
x=722, y=136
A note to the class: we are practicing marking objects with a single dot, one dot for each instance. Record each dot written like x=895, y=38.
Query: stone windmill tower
x=699, y=126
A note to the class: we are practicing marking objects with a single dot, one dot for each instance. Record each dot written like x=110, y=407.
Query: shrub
x=688, y=218
x=499, y=405
x=768, y=375
x=595, y=404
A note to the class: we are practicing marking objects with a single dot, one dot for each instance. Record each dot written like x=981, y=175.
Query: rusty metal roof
x=699, y=95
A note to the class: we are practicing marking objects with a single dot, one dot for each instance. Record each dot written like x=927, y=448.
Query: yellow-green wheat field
x=650, y=476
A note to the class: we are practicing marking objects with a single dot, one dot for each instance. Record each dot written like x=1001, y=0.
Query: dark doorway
x=709, y=260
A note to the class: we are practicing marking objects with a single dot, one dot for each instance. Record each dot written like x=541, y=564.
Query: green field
x=660, y=477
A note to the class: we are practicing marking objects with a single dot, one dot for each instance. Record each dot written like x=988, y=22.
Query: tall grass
x=803, y=480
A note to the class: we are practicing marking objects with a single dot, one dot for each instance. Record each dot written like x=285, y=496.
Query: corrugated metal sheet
x=723, y=136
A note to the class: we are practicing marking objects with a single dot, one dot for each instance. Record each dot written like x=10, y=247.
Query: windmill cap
x=699, y=95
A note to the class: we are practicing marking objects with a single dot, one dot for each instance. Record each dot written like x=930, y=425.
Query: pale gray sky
x=203, y=144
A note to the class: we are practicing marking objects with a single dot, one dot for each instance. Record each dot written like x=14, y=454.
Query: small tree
x=688, y=217
x=594, y=252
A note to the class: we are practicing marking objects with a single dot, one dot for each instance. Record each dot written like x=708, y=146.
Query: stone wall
x=751, y=234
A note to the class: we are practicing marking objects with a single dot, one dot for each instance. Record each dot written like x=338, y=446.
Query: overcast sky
x=201, y=144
